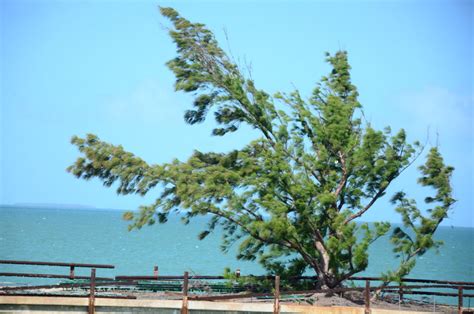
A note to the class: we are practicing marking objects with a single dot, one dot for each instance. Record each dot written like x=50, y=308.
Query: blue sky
x=76, y=67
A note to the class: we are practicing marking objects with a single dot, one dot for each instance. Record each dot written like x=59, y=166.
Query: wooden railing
x=275, y=294
x=72, y=266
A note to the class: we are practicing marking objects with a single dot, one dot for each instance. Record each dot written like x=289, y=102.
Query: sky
x=76, y=67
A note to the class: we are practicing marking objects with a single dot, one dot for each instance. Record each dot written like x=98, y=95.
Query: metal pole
x=92, y=293
x=367, y=297
x=184, y=307
x=276, y=304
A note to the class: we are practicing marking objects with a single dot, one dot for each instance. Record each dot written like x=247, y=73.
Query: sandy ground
x=357, y=299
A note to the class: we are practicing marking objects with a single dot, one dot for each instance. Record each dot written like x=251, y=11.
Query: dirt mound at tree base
x=389, y=302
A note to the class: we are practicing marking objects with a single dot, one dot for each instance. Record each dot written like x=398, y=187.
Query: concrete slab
x=60, y=305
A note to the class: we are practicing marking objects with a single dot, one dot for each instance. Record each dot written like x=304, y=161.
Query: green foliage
x=250, y=283
x=417, y=238
x=290, y=198
x=259, y=284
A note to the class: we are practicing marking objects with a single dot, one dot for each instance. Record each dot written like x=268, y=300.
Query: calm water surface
x=101, y=236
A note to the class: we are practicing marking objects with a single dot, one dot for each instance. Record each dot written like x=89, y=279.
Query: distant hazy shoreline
x=57, y=206
x=43, y=206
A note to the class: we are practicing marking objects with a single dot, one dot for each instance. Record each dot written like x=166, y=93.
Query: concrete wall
x=59, y=305
x=63, y=305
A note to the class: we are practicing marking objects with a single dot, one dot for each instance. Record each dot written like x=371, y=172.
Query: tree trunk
x=325, y=277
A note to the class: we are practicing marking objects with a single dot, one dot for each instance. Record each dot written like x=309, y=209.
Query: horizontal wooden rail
x=445, y=294
x=69, y=295
x=85, y=265
x=426, y=287
x=49, y=276
x=168, y=277
x=69, y=285
x=450, y=282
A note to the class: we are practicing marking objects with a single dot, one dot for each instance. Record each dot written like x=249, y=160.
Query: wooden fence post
x=276, y=303
x=71, y=272
x=460, y=297
x=367, y=297
x=92, y=292
x=184, y=307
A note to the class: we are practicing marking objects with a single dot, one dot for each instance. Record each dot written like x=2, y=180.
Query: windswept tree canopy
x=291, y=197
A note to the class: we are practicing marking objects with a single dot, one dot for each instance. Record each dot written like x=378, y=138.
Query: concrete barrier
x=65, y=305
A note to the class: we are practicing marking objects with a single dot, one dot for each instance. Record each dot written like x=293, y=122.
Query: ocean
x=101, y=236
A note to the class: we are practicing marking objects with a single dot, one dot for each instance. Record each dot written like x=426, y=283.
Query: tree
x=291, y=197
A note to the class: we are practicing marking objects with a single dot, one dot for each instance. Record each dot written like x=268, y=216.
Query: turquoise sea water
x=101, y=236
